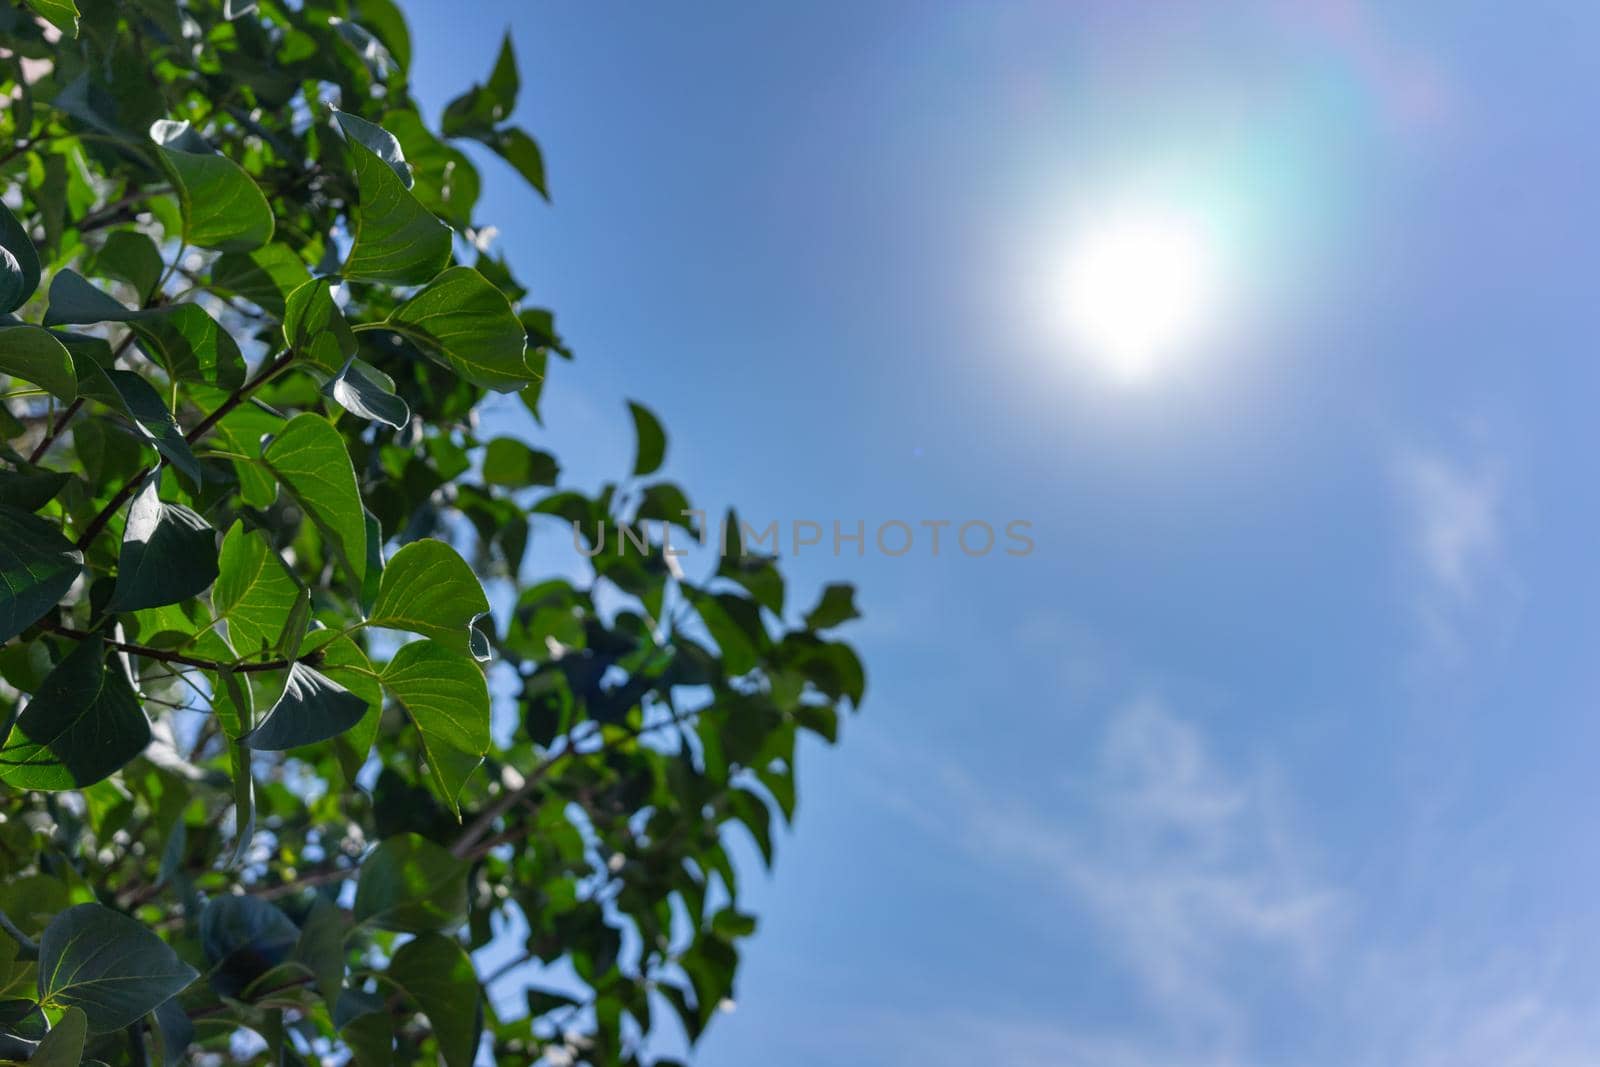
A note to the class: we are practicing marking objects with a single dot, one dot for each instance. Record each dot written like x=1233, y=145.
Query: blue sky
x=1278, y=748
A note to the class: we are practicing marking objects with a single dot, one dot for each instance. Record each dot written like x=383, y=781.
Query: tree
x=269, y=763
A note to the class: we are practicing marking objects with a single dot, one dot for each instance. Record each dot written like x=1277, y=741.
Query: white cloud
x=1456, y=519
x=1180, y=866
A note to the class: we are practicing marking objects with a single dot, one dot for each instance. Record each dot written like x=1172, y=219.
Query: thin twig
x=164, y=656
x=235, y=398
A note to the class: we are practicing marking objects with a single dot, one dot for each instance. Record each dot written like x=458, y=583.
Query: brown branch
x=165, y=656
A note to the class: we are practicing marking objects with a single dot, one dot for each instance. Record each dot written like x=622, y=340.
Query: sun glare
x=1137, y=291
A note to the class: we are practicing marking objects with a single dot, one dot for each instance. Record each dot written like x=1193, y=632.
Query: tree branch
x=163, y=655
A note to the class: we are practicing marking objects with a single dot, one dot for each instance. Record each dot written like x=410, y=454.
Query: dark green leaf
x=428, y=589
x=837, y=605
x=107, y=965
x=169, y=553
x=32, y=489
x=190, y=345
x=243, y=938
x=222, y=207
x=480, y=109
x=313, y=708
x=37, y=567
x=411, y=885
x=650, y=441
x=310, y=459
x=145, y=405
x=83, y=724
x=513, y=145
x=35, y=355
x=511, y=463
x=265, y=277
x=464, y=322
x=132, y=257
x=19, y=263
x=63, y=1045
x=437, y=976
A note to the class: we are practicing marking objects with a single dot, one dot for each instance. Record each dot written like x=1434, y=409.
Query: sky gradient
x=1278, y=748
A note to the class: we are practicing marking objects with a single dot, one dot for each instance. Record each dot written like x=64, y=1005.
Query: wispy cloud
x=1180, y=865
x=1455, y=524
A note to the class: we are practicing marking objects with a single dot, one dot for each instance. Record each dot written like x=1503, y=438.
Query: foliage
x=269, y=763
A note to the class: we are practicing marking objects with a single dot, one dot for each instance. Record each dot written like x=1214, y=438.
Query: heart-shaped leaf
x=108, y=966
x=396, y=238
x=83, y=723
x=461, y=320
x=436, y=974
x=254, y=592
x=222, y=207
x=310, y=459
x=446, y=695
x=429, y=589
x=169, y=553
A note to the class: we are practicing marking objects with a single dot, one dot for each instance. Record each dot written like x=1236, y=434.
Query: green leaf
x=190, y=345
x=650, y=441
x=837, y=605
x=107, y=965
x=429, y=589
x=140, y=400
x=321, y=947
x=62, y=14
x=74, y=300
x=222, y=207
x=32, y=489
x=33, y=354
x=37, y=567
x=313, y=708
x=411, y=885
x=516, y=147
x=310, y=459
x=445, y=181
x=265, y=277
x=169, y=553
x=365, y=391
x=480, y=109
x=83, y=724
x=511, y=463
x=255, y=593
x=461, y=320
x=19, y=263
x=396, y=239
x=446, y=695
x=132, y=257
x=436, y=974
x=315, y=329
x=63, y=1045
x=378, y=140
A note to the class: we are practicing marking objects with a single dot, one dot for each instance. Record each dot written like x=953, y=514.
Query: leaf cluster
x=297, y=758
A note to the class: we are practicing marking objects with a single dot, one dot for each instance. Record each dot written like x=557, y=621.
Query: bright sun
x=1139, y=288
